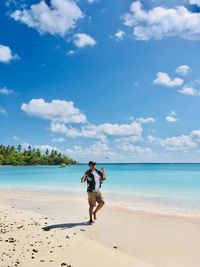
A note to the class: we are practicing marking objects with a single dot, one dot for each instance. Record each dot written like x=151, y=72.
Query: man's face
x=92, y=167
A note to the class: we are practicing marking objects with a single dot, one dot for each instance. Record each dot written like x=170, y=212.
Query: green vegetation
x=9, y=155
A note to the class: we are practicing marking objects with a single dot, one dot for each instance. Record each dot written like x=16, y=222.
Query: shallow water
x=159, y=188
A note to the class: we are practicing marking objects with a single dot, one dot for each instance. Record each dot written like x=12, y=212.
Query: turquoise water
x=165, y=188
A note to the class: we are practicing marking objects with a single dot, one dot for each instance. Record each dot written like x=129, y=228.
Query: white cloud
x=134, y=149
x=97, y=149
x=68, y=131
x=150, y=139
x=87, y=131
x=145, y=120
x=171, y=117
x=133, y=128
x=128, y=139
x=119, y=35
x=189, y=90
x=183, y=69
x=56, y=111
x=195, y=134
x=2, y=111
x=82, y=40
x=194, y=2
x=5, y=91
x=56, y=19
x=182, y=142
x=162, y=22
x=98, y=131
x=178, y=143
x=163, y=78
x=58, y=140
x=6, y=55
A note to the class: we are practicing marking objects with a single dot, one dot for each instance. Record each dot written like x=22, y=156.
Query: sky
x=112, y=81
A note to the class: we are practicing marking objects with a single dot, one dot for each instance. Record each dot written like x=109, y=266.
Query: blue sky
x=113, y=81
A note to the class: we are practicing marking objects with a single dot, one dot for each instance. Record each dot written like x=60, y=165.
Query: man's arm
x=83, y=179
x=103, y=173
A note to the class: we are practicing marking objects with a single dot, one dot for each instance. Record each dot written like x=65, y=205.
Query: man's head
x=92, y=165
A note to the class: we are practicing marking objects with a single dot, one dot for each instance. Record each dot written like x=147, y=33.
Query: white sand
x=141, y=239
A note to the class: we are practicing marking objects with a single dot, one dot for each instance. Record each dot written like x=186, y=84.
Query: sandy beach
x=51, y=229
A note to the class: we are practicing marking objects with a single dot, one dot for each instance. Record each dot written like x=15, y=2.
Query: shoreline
x=138, y=205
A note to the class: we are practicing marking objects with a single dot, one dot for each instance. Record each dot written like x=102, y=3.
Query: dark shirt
x=91, y=180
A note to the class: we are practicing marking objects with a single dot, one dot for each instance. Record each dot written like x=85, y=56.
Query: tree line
x=11, y=155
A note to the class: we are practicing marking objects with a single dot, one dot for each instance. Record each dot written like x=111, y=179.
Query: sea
x=167, y=189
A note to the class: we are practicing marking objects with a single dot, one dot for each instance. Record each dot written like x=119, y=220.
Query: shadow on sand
x=64, y=226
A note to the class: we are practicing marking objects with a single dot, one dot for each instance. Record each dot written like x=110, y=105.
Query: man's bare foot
x=95, y=215
x=91, y=222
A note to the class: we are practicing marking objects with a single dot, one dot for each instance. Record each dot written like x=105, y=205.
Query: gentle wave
x=156, y=208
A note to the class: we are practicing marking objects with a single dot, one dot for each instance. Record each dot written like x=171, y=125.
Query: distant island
x=11, y=155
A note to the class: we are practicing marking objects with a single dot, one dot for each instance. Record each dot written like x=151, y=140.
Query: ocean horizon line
x=104, y=163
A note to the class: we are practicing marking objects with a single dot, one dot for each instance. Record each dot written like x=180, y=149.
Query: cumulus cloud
x=99, y=147
x=151, y=139
x=5, y=91
x=56, y=111
x=134, y=149
x=69, y=131
x=189, y=90
x=95, y=149
x=163, y=78
x=183, y=69
x=56, y=19
x=195, y=134
x=58, y=140
x=171, y=117
x=119, y=35
x=160, y=22
x=178, y=143
x=6, y=54
x=133, y=128
x=82, y=40
x=98, y=131
x=182, y=142
x=145, y=120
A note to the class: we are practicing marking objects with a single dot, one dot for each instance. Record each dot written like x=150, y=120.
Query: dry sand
x=50, y=229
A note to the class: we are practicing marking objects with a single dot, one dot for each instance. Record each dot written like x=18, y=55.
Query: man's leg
x=91, y=207
x=100, y=202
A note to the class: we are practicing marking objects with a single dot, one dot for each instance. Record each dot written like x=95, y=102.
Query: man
x=94, y=180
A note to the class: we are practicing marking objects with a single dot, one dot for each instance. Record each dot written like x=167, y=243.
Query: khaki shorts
x=94, y=197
